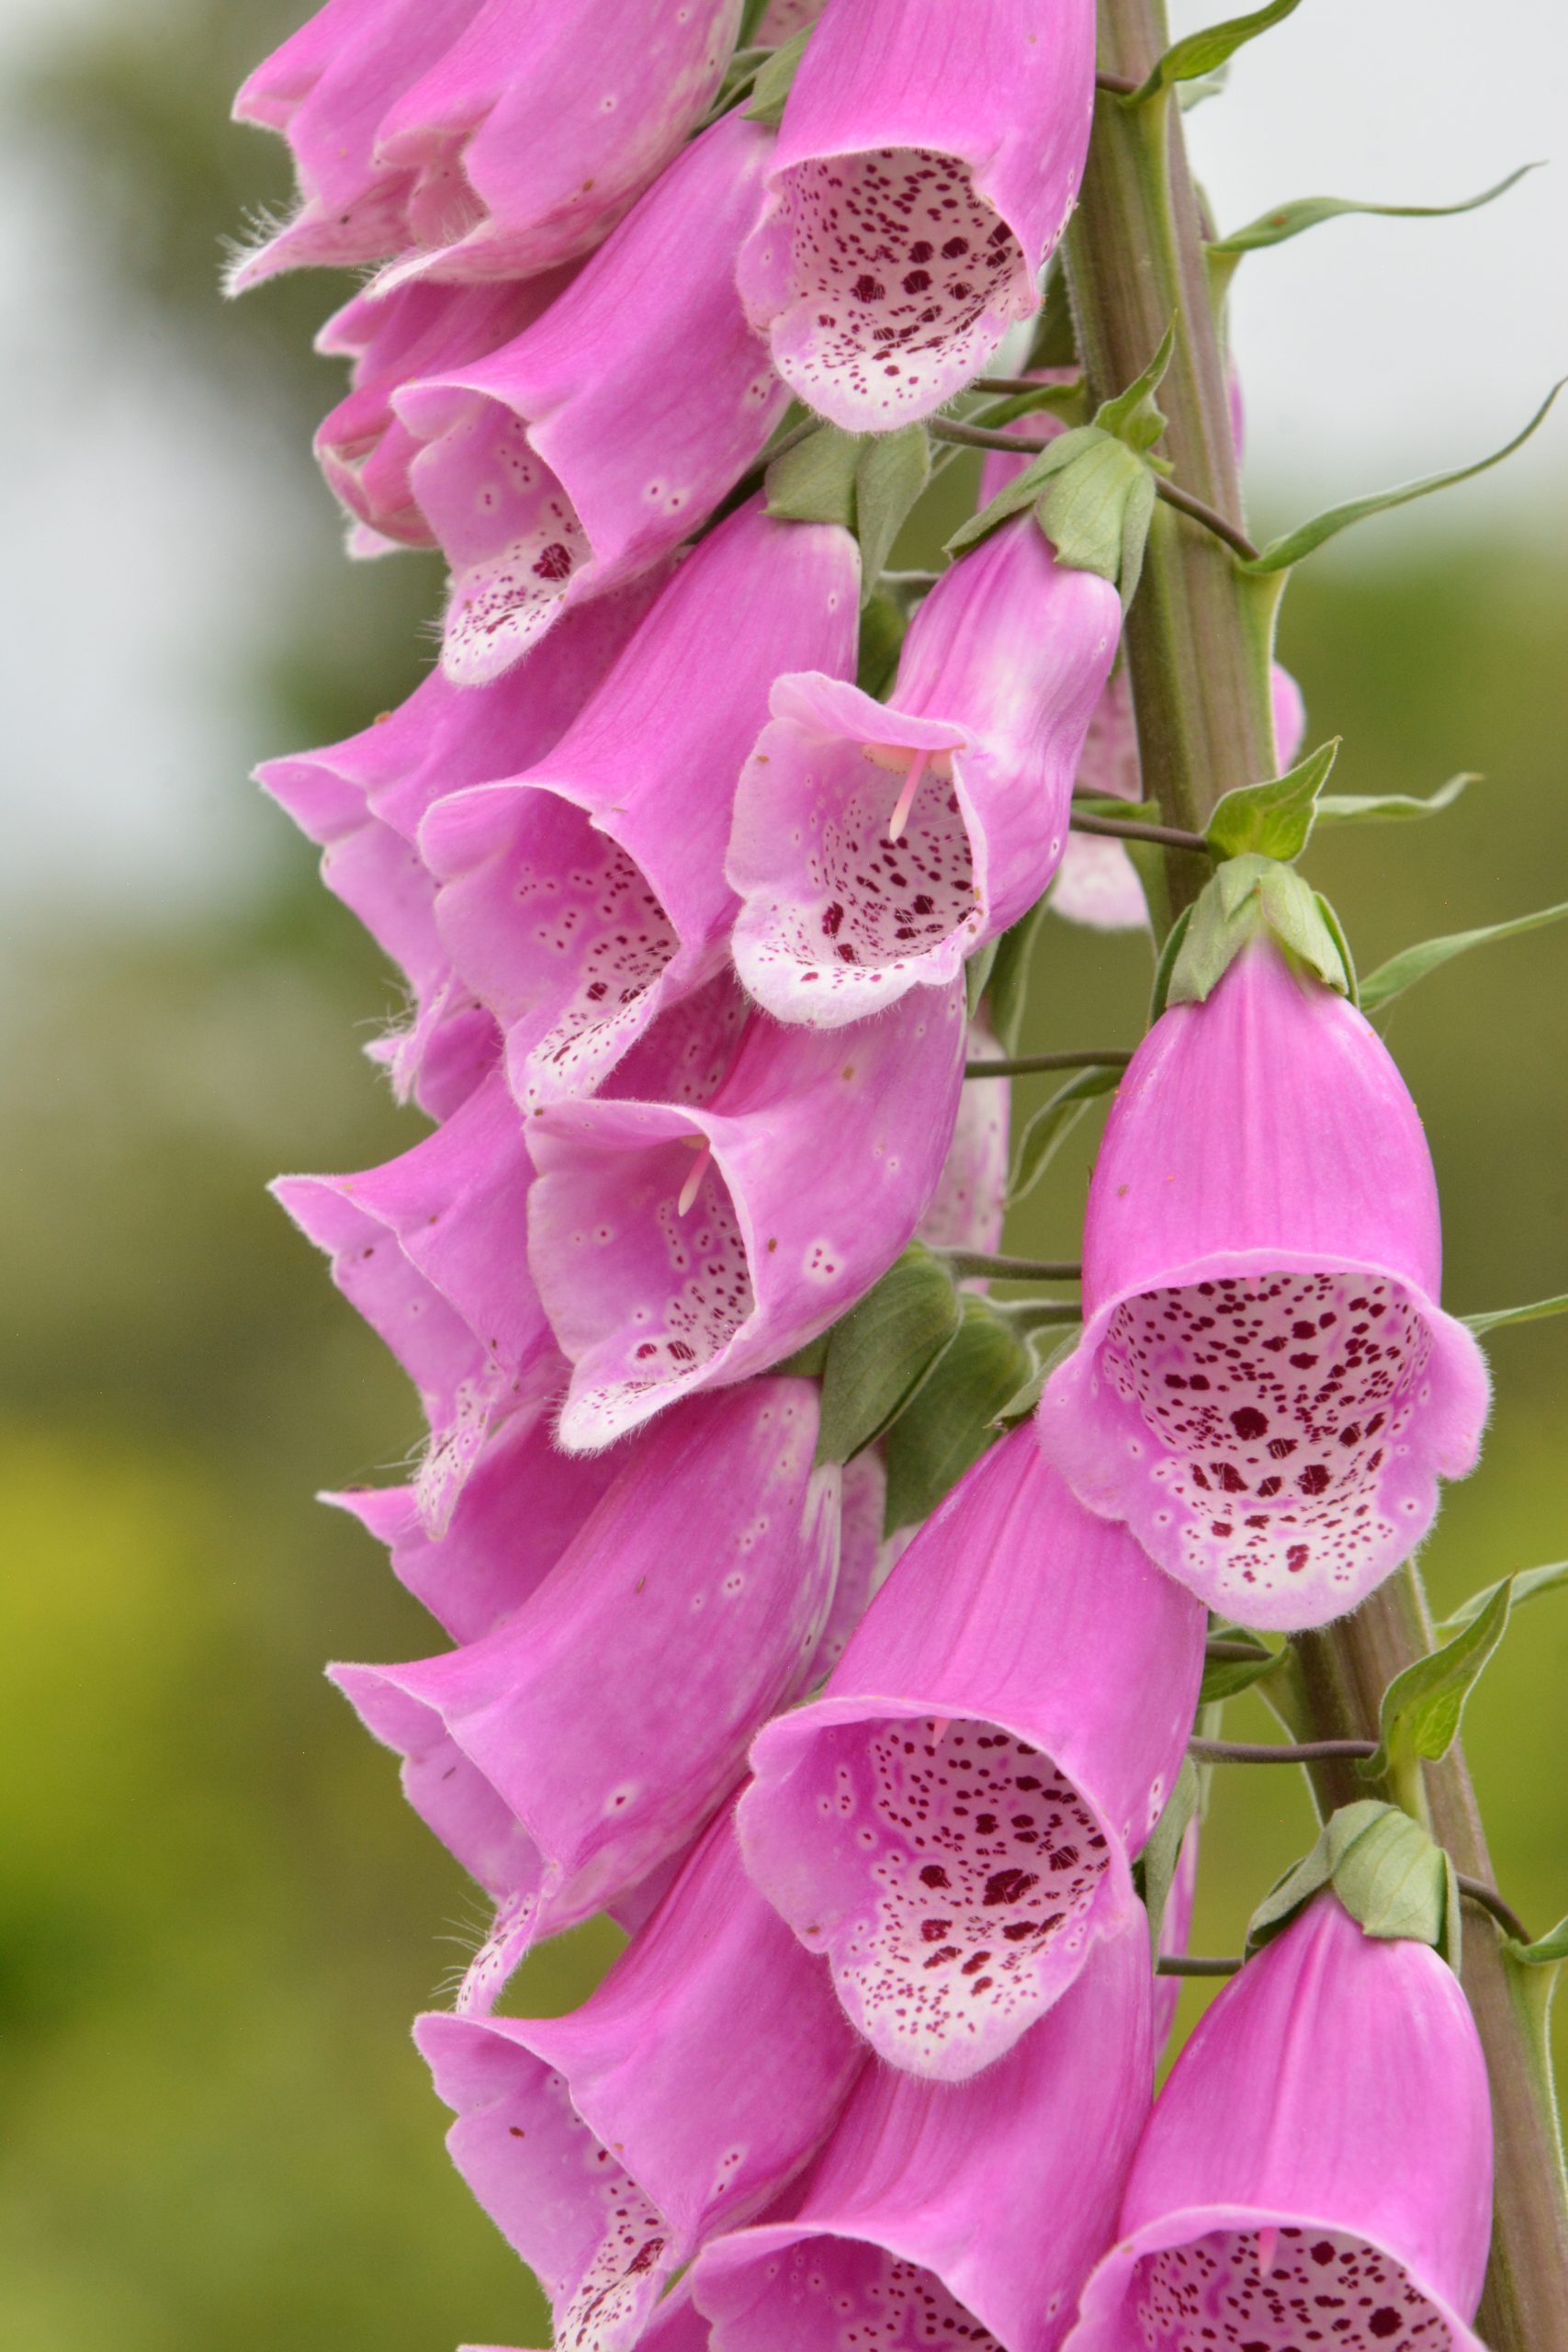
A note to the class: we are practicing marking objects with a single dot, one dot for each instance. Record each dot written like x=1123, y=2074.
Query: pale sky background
x=137, y=532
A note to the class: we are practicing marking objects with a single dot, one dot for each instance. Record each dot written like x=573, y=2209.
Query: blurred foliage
x=216, y=1916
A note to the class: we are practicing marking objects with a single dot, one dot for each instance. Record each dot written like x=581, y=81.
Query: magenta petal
x=1323, y=2146
x=536, y=129
x=595, y=442
x=961, y=2217
x=609, y=2143
x=925, y=169
x=582, y=897
x=967, y=1207
x=650, y=1299
x=852, y=890
x=1266, y=1389
x=602, y=1723
x=952, y=1821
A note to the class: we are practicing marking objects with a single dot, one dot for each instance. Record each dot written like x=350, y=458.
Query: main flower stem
x=1199, y=637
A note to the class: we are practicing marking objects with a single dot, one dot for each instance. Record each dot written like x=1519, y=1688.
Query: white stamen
x=919, y=762
x=693, y=1183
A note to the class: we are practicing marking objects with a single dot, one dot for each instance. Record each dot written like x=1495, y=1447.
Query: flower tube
x=953, y=1820
x=568, y=1753
x=579, y=454
x=1318, y=2168
x=678, y=1249
x=877, y=844
x=581, y=896
x=926, y=165
x=1266, y=1389
x=609, y=2143
x=363, y=800
x=965, y=2218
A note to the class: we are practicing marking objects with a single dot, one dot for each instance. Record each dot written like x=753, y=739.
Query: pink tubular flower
x=1318, y=2168
x=431, y=1250
x=326, y=90
x=952, y=1821
x=680, y=1249
x=531, y=135
x=363, y=800
x=607, y=2144
x=925, y=168
x=579, y=454
x=1265, y=1389
x=585, y=895
x=568, y=1753
x=363, y=448
x=961, y=2217
x=876, y=845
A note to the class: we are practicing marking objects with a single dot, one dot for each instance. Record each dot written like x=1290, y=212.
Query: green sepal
x=879, y=1354
x=883, y=624
x=1390, y=1874
x=1528, y=1583
x=1336, y=931
x=1498, y=1318
x=1413, y=964
x=1545, y=1952
x=1134, y=416
x=1155, y=1869
x=1068, y=402
x=808, y=1362
x=1307, y=211
x=751, y=15
x=1248, y=895
x=1202, y=54
x=1386, y=807
x=1020, y=1406
x=977, y=977
x=1422, y=1707
x=775, y=80
x=1175, y=939
x=1227, y=1678
x=1275, y=818
x=865, y=481
x=1055, y=342
x=1052, y=1123
x=1007, y=988
x=952, y=1420
x=1280, y=553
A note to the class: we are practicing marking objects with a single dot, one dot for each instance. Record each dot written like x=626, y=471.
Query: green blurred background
x=215, y=1918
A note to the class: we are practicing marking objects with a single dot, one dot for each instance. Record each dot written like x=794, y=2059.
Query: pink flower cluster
x=684, y=915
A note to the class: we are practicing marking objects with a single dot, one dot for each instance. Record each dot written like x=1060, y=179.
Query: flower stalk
x=1198, y=642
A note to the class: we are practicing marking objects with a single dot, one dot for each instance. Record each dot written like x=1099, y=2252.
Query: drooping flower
x=363, y=800
x=925, y=168
x=363, y=448
x=1266, y=1389
x=680, y=1249
x=499, y=137
x=952, y=1821
x=585, y=895
x=877, y=844
x=609, y=2143
x=565, y=1755
x=1318, y=2170
x=962, y=2217
x=539, y=126
x=580, y=453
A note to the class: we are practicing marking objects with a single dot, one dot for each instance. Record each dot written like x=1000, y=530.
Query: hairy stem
x=1199, y=638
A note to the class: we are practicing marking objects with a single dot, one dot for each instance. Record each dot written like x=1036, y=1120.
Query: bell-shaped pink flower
x=1318, y=2168
x=363, y=448
x=966, y=2217
x=518, y=1509
x=579, y=454
x=609, y=2143
x=363, y=800
x=926, y=166
x=326, y=90
x=431, y=1250
x=568, y=1753
x=531, y=136
x=970, y=1201
x=678, y=1249
x=581, y=897
x=952, y=1821
x=1266, y=1389
x=877, y=844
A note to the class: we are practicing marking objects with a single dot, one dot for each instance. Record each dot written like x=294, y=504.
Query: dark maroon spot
x=1009, y=1886
x=867, y=289
x=1315, y=1479
x=554, y=563
x=1248, y=1421
x=1384, y=2322
x=934, y=1875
